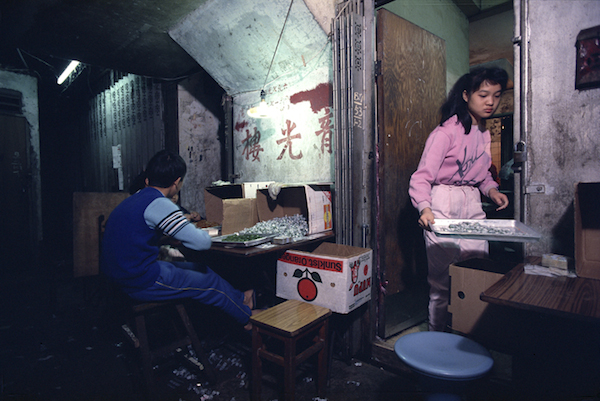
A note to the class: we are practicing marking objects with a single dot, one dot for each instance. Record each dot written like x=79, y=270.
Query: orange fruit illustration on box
x=307, y=289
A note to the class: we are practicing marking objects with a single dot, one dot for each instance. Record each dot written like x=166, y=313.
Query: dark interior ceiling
x=125, y=35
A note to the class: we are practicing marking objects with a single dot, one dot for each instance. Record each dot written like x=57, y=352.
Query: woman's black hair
x=455, y=104
x=164, y=169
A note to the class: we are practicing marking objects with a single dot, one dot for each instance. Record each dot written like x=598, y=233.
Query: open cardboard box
x=312, y=201
x=334, y=276
x=226, y=205
x=468, y=279
x=231, y=206
x=587, y=230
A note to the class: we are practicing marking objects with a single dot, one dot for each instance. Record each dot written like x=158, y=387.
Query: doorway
x=15, y=203
x=410, y=88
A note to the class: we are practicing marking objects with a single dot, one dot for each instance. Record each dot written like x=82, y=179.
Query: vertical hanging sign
x=357, y=133
x=117, y=164
x=358, y=93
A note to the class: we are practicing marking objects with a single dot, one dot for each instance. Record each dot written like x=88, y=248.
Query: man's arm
x=164, y=215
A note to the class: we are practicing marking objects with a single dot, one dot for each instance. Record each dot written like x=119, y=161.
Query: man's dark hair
x=164, y=168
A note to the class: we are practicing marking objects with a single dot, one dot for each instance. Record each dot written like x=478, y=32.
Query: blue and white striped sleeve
x=162, y=214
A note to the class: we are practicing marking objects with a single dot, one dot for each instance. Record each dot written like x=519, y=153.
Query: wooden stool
x=149, y=355
x=289, y=322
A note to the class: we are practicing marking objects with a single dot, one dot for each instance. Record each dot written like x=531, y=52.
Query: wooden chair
x=141, y=317
x=290, y=322
x=138, y=311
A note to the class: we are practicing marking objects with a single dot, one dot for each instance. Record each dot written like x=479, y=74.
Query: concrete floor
x=60, y=339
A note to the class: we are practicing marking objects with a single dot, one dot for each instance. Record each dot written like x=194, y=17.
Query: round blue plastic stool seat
x=444, y=355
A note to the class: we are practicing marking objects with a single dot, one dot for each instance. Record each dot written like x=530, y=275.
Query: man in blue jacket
x=131, y=244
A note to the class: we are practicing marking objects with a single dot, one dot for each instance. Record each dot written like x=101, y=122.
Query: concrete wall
x=27, y=85
x=295, y=144
x=199, y=143
x=563, y=128
x=445, y=20
x=285, y=51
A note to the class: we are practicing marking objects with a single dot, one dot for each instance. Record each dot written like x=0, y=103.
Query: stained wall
x=200, y=137
x=28, y=86
x=563, y=123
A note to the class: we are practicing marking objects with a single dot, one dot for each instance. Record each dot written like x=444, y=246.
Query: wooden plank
x=411, y=89
x=90, y=212
x=291, y=316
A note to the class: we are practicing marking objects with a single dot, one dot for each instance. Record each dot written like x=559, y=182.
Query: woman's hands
x=499, y=198
x=426, y=219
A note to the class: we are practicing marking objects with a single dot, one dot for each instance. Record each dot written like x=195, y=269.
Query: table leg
x=289, y=369
x=257, y=346
x=323, y=358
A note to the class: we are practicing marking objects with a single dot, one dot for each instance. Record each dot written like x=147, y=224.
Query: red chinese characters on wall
x=252, y=145
x=287, y=141
x=320, y=99
x=325, y=131
x=251, y=142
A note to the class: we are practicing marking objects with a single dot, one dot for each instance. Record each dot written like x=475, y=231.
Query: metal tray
x=221, y=240
x=490, y=230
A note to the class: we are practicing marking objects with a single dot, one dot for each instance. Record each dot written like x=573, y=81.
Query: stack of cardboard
x=552, y=266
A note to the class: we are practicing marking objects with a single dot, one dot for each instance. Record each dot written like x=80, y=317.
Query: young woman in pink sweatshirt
x=452, y=173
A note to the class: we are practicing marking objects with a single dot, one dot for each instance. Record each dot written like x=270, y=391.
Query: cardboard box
x=468, y=280
x=312, y=201
x=225, y=204
x=334, y=276
x=587, y=230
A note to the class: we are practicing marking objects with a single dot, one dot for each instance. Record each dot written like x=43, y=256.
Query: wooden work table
x=550, y=327
x=562, y=296
x=269, y=248
x=253, y=267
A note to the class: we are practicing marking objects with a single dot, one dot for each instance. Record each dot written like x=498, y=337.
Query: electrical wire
x=317, y=55
x=277, y=46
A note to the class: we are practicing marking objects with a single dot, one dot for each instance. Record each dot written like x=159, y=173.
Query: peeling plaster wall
x=199, y=146
x=27, y=85
x=295, y=145
x=238, y=51
x=323, y=11
x=252, y=48
x=564, y=130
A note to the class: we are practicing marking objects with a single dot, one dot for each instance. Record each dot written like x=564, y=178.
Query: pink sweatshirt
x=452, y=158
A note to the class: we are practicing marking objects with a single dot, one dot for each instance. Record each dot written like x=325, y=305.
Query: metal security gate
x=353, y=101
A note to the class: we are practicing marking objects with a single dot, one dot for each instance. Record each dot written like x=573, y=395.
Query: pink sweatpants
x=450, y=202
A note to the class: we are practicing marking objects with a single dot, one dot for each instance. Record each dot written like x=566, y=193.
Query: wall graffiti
x=326, y=131
x=252, y=145
x=287, y=141
x=295, y=144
